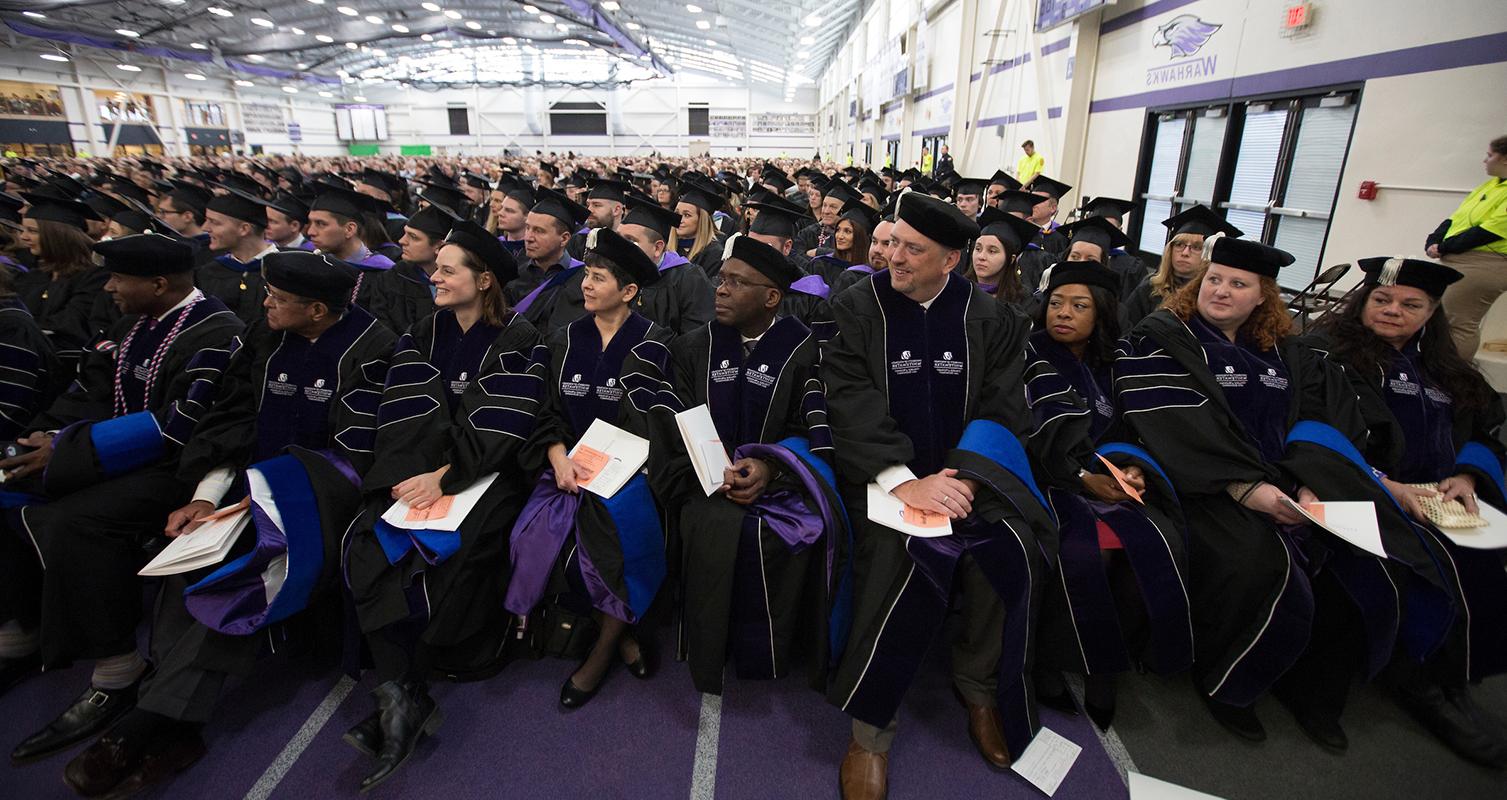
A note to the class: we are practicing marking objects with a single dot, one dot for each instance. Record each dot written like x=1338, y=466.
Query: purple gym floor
x=507, y=736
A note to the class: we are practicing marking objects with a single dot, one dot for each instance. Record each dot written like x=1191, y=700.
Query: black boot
x=1452, y=722
x=408, y=714
x=90, y=714
x=366, y=735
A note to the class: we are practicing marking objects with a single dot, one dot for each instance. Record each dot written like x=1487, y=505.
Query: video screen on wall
x=361, y=123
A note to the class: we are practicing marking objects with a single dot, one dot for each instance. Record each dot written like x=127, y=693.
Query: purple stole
x=926, y=375
x=739, y=394
x=670, y=261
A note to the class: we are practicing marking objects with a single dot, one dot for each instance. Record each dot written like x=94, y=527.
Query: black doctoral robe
x=398, y=297
x=141, y=391
x=602, y=553
x=467, y=400
x=284, y=394
x=33, y=376
x=1420, y=434
x=1087, y=623
x=766, y=594
x=66, y=309
x=237, y=284
x=928, y=389
x=1250, y=579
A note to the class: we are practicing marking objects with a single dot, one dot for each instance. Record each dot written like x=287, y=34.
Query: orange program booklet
x=590, y=459
x=438, y=510
x=922, y=518
x=1119, y=476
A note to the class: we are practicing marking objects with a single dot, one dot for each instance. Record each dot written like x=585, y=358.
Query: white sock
x=15, y=641
x=118, y=672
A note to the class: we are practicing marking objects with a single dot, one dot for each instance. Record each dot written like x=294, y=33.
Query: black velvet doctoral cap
x=862, y=214
x=345, y=202
x=1415, y=272
x=970, y=186
x=936, y=219
x=607, y=189
x=779, y=180
x=485, y=246
x=1248, y=255
x=701, y=193
x=1088, y=273
x=290, y=206
x=610, y=245
x=312, y=276
x=187, y=195
x=770, y=262
x=1017, y=201
x=146, y=255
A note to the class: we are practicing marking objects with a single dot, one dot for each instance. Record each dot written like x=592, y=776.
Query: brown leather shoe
x=112, y=769
x=987, y=735
x=864, y=775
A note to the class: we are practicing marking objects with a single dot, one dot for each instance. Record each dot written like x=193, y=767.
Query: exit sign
x=1297, y=17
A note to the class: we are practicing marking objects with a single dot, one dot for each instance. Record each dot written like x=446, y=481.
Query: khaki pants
x=1468, y=300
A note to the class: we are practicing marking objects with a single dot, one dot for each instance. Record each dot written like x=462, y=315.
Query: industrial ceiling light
x=430, y=6
x=812, y=20
x=703, y=25
x=452, y=13
x=220, y=12
x=427, y=37
x=694, y=9
x=128, y=67
x=257, y=57
x=546, y=19
x=199, y=46
x=262, y=22
x=634, y=26
x=291, y=89
x=296, y=31
x=34, y=14
x=348, y=11
x=243, y=82
x=374, y=19
x=194, y=76
x=320, y=37
x=535, y=10
x=55, y=57
x=473, y=24
x=610, y=5
x=127, y=32
x=397, y=28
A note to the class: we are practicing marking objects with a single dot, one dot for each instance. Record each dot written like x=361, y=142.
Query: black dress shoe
x=15, y=670
x=113, y=768
x=90, y=714
x=639, y=669
x=366, y=735
x=408, y=714
x=1241, y=721
x=1452, y=724
x=573, y=698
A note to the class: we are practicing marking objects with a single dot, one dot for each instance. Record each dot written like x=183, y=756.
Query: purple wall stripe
x=934, y=92
x=1055, y=112
x=937, y=131
x=1490, y=49
x=1144, y=12
x=1026, y=116
x=1052, y=47
x=1001, y=67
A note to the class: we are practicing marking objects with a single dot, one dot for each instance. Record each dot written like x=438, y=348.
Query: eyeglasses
x=1186, y=247
x=279, y=301
x=735, y=283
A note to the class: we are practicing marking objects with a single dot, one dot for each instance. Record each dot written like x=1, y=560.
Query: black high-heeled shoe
x=572, y=697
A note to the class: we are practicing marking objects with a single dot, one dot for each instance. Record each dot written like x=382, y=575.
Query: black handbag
x=561, y=633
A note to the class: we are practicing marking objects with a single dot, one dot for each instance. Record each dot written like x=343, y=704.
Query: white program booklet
x=1145, y=787
x=611, y=455
x=445, y=514
x=204, y=546
x=888, y=510
x=704, y=445
x=1491, y=537
x=1047, y=760
x=1353, y=521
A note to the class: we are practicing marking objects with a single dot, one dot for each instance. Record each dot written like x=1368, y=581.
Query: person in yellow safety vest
x=1028, y=166
x=1474, y=241
x=925, y=161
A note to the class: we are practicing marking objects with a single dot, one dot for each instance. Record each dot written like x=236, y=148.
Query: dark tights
x=614, y=636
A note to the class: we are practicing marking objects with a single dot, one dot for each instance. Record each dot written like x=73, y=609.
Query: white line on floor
x=708, y=730
x=1111, y=740
x=285, y=760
